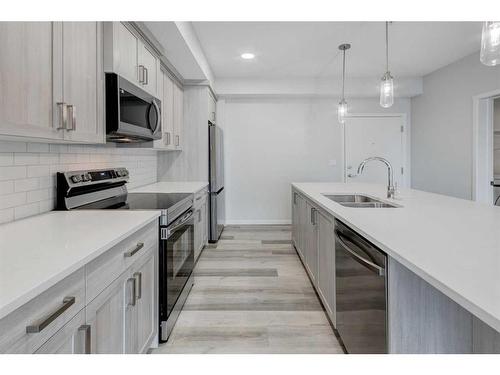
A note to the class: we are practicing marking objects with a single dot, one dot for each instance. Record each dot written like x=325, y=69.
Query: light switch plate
x=332, y=162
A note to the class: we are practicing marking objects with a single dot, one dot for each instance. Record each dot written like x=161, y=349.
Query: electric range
x=106, y=189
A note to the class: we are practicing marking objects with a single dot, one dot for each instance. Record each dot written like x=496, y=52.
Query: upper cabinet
x=52, y=88
x=172, y=102
x=128, y=56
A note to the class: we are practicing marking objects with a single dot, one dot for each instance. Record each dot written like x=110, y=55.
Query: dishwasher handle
x=358, y=258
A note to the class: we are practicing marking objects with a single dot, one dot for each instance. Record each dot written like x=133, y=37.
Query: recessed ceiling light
x=247, y=56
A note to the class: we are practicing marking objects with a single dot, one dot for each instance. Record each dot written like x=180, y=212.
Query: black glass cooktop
x=139, y=201
x=154, y=201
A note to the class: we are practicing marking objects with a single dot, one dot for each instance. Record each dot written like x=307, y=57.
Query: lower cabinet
x=314, y=240
x=71, y=339
x=200, y=222
x=90, y=312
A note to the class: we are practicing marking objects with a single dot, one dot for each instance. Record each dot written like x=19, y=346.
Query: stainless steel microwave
x=132, y=115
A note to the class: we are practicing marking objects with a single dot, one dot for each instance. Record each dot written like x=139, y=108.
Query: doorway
x=375, y=135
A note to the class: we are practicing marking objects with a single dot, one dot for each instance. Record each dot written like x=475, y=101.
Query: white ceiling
x=309, y=49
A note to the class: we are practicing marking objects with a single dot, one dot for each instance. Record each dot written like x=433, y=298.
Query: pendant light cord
x=386, y=46
x=343, y=74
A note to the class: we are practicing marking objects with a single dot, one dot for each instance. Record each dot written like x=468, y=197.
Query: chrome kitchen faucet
x=390, y=184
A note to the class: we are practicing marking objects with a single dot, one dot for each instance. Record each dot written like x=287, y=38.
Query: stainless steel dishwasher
x=361, y=292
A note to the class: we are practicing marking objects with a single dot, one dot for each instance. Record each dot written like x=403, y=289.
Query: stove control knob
x=118, y=173
x=86, y=177
x=125, y=172
x=76, y=178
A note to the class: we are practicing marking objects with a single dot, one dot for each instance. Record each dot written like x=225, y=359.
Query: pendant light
x=387, y=83
x=490, y=43
x=342, y=108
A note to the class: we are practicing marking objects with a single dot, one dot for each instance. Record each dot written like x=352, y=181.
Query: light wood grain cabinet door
x=72, y=338
x=26, y=80
x=311, y=242
x=125, y=54
x=178, y=116
x=149, y=70
x=106, y=317
x=83, y=85
x=146, y=306
x=326, y=263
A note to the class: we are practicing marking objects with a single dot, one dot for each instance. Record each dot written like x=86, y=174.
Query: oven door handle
x=187, y=216
x=364, y=262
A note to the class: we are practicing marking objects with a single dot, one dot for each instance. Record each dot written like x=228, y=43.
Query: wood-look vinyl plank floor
x=252, y=295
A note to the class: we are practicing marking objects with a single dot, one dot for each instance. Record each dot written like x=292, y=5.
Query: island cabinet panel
x=71, y=339
x=486, y=340
x=326, y=263
x=422, y=319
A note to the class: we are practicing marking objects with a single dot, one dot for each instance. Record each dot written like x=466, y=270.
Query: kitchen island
x=444, y=262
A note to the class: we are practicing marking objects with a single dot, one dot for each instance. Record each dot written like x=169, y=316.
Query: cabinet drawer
x=199, y=195
x=103, y=270
x=46, y=313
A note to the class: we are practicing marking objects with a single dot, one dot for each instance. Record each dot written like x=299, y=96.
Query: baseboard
x=258, y=222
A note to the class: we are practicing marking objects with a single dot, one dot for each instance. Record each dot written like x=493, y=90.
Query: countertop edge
x=47, y=284
x=446, y=290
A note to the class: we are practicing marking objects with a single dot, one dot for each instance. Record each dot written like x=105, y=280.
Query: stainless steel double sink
x=359, y=201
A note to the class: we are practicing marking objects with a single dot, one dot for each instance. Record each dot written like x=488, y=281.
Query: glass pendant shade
x=387, y=91
x=490, y=43
x=342, y=111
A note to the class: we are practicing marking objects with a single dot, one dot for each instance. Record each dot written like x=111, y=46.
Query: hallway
x=252, y=295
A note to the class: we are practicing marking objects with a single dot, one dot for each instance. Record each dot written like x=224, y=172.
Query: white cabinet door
x=178, y=116
x=166, y=94
x=146, y=305
x=311, y=243
x=204, y=216
x=301, y=225
x=148, y=64
x=26, y=76
x=198, y=231
x=295, y=218
x=106, y=316
x=72, y=338
x=125, y=52
x=326, y=262
x=212, y=108
x=83, y=81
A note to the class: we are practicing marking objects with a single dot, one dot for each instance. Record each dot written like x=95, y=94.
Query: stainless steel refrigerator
x=216, y=176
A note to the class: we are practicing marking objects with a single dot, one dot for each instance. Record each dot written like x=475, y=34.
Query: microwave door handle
x=364, y=262
x=158, y=116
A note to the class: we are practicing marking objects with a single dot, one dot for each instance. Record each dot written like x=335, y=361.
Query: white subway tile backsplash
x=6, y=187
x=12, y=200
x=6, y=158
x=26, y=210
x=26, y=158
x=12, y=173
x=28, y=172
x=6, y=215
x=26, y=184
x=6, y=146
x=38, y=147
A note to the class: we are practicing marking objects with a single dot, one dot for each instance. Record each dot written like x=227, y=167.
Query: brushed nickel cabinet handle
x=132, y=252
x=85, y=328
x=146, y=79
x=177, y=142
x=138, y=278
x=134, y=291
x=141, y=74
x=63, y=119
x=39, y=326
x=71, y=117
x=167, y=138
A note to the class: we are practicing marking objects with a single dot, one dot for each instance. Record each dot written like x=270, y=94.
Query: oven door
x=176, y=263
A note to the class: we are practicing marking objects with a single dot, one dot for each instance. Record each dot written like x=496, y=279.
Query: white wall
x=442, y=126
x=271, y=143
x=28, y=171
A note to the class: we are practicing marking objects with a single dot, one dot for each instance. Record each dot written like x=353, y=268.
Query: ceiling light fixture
x=247, y=56
x=387, y=83
x=490, y=43
x=342, y=108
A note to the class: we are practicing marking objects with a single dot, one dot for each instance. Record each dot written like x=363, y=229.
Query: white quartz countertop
x=38, y=252
x=172, y=187
x=453, y=244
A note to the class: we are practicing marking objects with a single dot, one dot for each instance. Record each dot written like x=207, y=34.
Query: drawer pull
x=67, y=302
x=132, y=252
x=86, y=329
x=133, y=300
